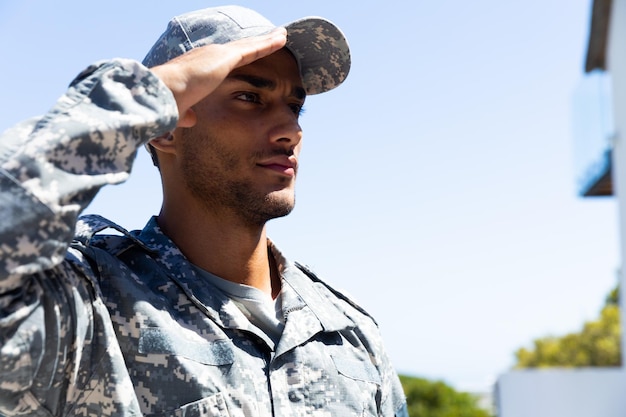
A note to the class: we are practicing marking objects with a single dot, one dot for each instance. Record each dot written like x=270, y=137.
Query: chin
x=279, y=204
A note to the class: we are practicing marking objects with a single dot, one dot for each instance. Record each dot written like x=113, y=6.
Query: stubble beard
x=212, y=181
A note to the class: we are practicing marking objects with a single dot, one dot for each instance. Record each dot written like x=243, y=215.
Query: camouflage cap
x=320, y=48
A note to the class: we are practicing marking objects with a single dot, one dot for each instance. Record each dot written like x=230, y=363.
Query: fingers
x=260, y=46
x=195, y=74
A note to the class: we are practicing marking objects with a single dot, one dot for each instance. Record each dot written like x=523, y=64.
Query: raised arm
x=50, y=169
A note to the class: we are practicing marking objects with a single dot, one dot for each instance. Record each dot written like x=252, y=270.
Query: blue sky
x=436, y=185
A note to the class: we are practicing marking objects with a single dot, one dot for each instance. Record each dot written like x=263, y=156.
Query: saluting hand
x=197, y=73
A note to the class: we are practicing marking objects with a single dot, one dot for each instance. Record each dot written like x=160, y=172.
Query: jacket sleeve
x=50, y=169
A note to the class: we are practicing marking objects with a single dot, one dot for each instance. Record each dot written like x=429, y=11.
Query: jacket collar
x=307, y=308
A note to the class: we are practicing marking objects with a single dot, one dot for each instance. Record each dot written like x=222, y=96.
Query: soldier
x=198, y=314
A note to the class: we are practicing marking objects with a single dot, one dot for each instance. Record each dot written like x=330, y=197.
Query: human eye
x=297, y=109
x=248, y=96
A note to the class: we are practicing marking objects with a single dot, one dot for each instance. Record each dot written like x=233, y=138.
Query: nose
x=286, y=130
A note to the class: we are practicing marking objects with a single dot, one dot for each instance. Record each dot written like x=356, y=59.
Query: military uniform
x=120, y=324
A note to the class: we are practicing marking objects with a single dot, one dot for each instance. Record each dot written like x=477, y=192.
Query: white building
x=600, y=139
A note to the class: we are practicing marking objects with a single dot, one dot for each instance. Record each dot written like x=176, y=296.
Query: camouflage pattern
x=320, y=48
x=97, y=324
x=313, y=41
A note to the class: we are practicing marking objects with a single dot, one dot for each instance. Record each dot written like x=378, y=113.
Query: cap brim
x=322, y=52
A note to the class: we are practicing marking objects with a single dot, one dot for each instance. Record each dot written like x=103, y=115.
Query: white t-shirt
x=263, y=312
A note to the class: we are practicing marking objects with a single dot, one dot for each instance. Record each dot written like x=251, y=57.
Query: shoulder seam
x=313, y=276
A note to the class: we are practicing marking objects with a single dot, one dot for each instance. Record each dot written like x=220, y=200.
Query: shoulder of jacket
x=337, y=293
x=88, y=234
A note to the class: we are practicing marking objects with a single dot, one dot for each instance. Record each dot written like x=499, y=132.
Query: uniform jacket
x=94, y=323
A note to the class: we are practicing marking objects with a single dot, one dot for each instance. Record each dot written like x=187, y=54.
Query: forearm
x=52, y=168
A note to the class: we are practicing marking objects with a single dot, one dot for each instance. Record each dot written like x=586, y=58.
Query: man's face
x=241, y=157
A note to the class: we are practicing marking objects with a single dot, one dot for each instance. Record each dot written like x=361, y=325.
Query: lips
x=283, y=165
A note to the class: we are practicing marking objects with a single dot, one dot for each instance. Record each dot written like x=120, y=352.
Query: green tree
x=436, y=399
x=597, y=344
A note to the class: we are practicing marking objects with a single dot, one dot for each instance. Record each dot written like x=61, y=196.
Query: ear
x=164, y=143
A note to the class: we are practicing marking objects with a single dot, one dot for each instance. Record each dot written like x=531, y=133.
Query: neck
x=223, y=246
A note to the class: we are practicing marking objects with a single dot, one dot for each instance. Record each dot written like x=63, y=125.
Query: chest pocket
x=181, y=374
x=356, y=369
x=158, y=341
x=338, y=384
x=360, y=386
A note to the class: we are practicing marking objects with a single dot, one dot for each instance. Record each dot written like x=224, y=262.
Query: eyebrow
x=261, y=82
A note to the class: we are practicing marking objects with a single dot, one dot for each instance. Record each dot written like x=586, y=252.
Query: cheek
x=210, y=152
